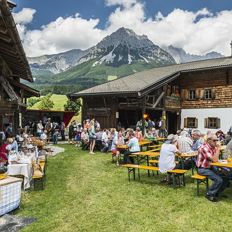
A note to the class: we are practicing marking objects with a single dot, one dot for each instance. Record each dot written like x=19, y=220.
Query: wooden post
x=143, y=119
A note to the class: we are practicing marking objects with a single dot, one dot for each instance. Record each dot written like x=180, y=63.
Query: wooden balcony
x=172, y=102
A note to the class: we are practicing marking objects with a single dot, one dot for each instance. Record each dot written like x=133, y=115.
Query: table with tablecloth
x=10, y=194
x=24, y=169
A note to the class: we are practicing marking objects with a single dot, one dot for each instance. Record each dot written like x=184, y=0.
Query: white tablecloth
x=10, y=194
x=21, y=169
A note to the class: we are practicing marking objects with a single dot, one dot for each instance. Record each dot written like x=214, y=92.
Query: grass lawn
x=58, y=100
x=89, y=193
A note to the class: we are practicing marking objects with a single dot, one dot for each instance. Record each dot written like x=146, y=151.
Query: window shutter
x=198, y=94
x=206, y=122
x=202, y=95
x=213, y=93
x=186, y=94
x=218, y=123
x=196, y=122
x=185, y=123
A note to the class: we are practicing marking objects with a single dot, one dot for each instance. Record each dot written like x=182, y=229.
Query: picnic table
x=24, y=169
x=125, y=146
x=184, y=156
x=161, y=139
x=222, y=164
x=10, y=192
x=144, y=156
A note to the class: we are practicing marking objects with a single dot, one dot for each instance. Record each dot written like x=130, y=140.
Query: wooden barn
x=13, y=68
x=191, y=95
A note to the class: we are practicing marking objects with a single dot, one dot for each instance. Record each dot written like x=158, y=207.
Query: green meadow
x=86, y=192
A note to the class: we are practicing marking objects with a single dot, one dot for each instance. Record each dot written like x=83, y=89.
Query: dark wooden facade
x=13, y=67
x=167, y=100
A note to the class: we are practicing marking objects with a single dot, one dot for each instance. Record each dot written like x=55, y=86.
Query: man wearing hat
x=208, y=153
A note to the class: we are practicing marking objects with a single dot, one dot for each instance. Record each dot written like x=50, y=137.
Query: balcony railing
x=172, y=102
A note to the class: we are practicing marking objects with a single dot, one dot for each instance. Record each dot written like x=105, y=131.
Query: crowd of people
x=90, y=136
x=207, y=149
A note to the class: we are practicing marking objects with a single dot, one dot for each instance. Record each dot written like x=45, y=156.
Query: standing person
x=133, y=145
x=39, y=128
x=55, y=136
x=92, y=136
x=70, y=133
x=208, y=153
x=48, y=128
x=9, y=130
x=62, y=131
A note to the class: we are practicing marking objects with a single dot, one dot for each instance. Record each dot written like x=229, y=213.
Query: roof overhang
x=78, y=95
x=151, y=87
x=11, y=48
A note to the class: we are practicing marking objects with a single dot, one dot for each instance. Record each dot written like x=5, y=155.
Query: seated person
x=149, y=135
x=167, y=155
x=3, y=151
x=105, y=140
x=114, y=144
x=133, y=146
x=220, y=135
x=43, y=136
x=208, y=153
x=184, y=144
x=138, y=134
x=85, y=139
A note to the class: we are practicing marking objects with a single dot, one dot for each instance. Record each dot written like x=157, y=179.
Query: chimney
x=231, y=48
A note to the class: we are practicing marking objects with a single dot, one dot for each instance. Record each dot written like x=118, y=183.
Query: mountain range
x=119, y=54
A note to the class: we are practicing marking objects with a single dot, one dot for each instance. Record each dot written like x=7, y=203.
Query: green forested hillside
x=87, y=75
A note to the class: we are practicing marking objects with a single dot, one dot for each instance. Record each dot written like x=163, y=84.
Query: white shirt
x=104, y=137
x=167, y=157
x=134, y=145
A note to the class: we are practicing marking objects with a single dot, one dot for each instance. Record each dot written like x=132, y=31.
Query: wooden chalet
x=13, y=67
x=191, y=95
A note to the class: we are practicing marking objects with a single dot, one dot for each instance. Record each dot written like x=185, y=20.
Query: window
x=208, y=94
x=192, y=94
x=212, y=123
x=190, y=122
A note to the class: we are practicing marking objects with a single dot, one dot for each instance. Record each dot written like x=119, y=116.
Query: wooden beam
x=159, y=99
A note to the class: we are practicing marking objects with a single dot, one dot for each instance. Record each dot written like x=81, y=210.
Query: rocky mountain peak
x=125, y=36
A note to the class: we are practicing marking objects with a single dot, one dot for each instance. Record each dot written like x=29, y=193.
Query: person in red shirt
x=208, y=153
x=3, y=152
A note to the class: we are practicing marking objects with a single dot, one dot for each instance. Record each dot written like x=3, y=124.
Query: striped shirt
x=205, y=155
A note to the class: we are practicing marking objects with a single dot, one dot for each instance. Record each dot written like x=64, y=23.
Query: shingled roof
x=139, y=82
x=11, y=48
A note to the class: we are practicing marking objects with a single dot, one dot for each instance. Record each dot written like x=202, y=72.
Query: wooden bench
x=39, y=174
x=176, y=175
x=201, y=179
x=131, y=169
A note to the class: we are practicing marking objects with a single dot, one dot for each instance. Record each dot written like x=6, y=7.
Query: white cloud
x=25, y=16
x=197, y=32
x=61, y=35
x=124, y=3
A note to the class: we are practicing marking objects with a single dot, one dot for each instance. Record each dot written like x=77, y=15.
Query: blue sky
x=88, y=21
x=49, y=10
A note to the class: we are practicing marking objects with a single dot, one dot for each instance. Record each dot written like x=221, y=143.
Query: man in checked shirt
x=208, y=153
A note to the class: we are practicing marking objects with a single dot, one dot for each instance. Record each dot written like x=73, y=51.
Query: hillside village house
x=13, y=67
x=190, y=95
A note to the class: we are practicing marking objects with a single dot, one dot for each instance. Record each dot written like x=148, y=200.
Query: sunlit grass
x=89, y=193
